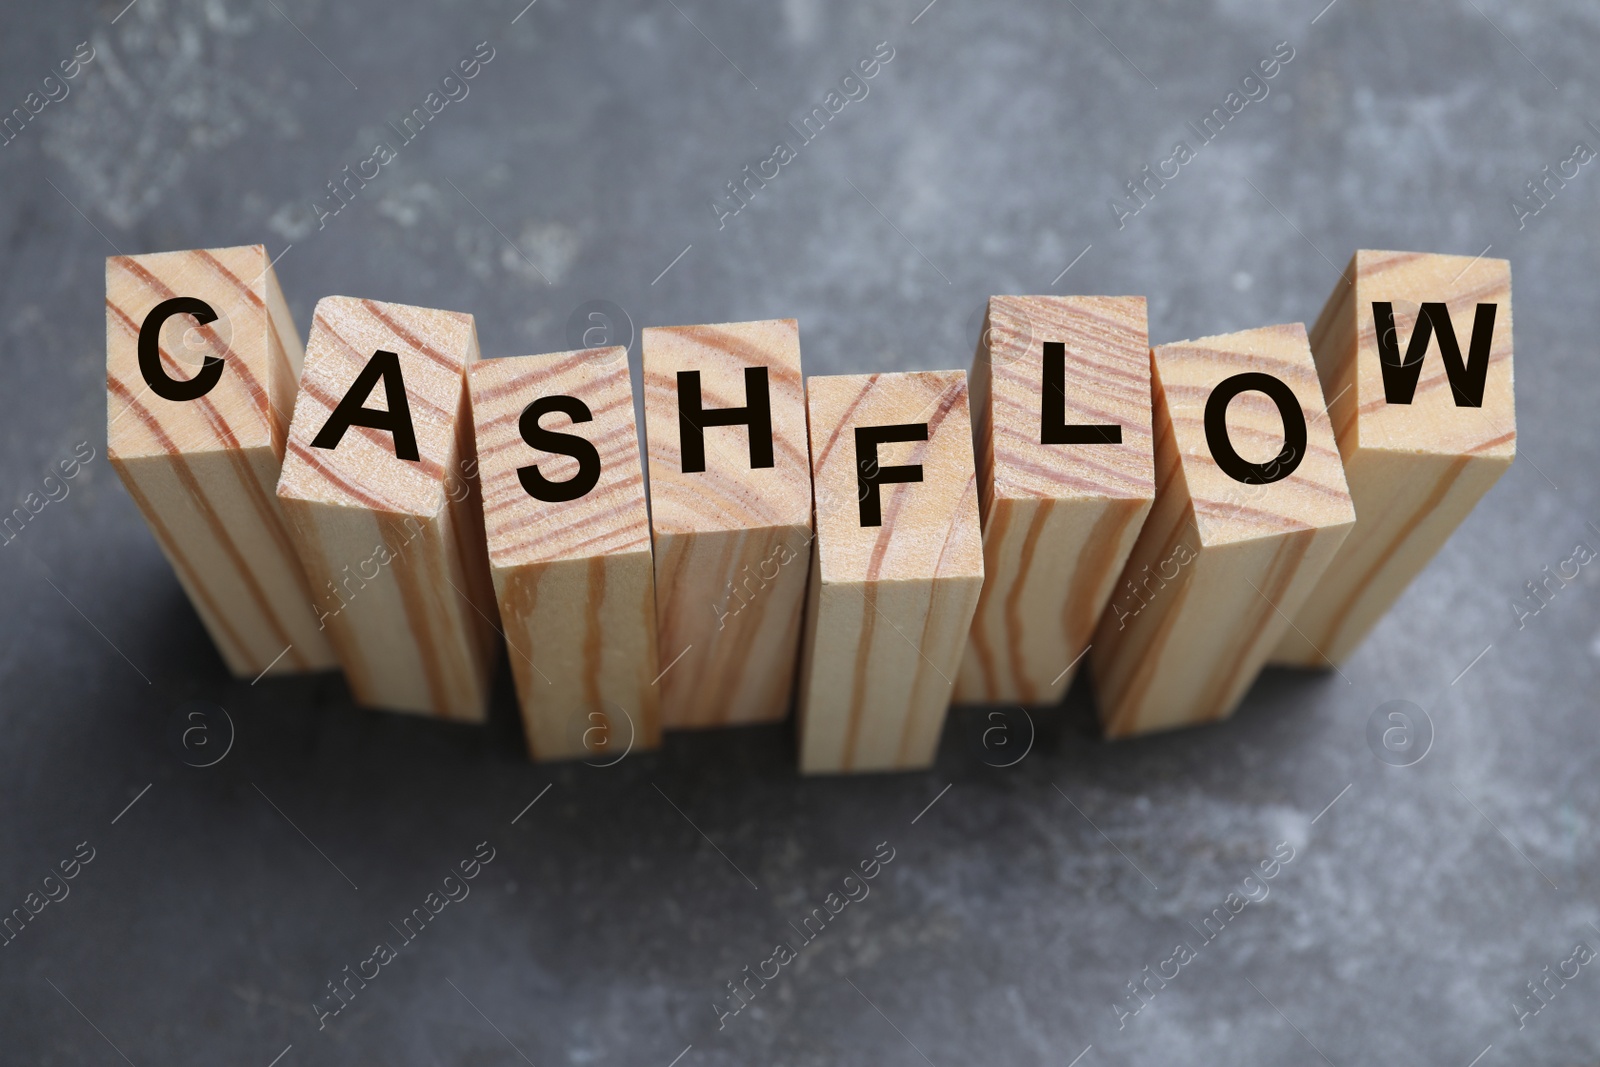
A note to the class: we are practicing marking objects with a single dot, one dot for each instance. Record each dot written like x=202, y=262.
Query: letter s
x=537, y=485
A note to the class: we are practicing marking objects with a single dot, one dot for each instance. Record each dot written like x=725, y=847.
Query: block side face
x=288, y=334
x=1146, y=598
x=728, y=494
x=1433, y=422
x=611, y=517
x=467, y=560
x=1313, y=495
x=929, y=528
x=728, y=611
x=433, y=349
x=1191, y=653
x=873, y=700
x=406, y=639
x=287, y=355
x=1106, y=381
x=835, y=618
x=1333, y=349
x=1049, y=569
x=583, y=654
x=235, y=413
x=218, y=524
x=1409, y=505
x=348, y=556
x=980, y=401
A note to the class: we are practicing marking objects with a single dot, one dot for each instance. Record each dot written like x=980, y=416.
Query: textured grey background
x=1416, y=907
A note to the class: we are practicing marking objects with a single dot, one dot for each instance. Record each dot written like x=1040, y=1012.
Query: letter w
x=1400, y=376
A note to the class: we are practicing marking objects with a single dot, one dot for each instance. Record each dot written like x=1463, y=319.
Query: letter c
x=155, y=375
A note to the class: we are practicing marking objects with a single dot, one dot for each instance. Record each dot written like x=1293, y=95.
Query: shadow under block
x=393, y=546
x=1221, y=564
x=889, y=605
x=572, y=567
x=202, y=470
x=731, y=537
x=1417, y=469
x=1066, y=475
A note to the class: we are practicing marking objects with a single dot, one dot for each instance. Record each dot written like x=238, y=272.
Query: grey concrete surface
x=616, y=910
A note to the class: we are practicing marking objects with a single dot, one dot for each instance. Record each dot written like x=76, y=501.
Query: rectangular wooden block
x=202, y=467
x=1066, y=474
x=1222, y=563
x=730, y=512
x=572, y=567
x=896, y=571
x=387, y=519
x=1415, y=468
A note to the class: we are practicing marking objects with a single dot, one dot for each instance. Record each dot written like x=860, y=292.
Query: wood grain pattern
x=202, y=471
x=730, y=541
x=574, y=579
x=1416, y=470
x=889, y=607
x=1220, y=565
x=394, y=548
x=1058, y=519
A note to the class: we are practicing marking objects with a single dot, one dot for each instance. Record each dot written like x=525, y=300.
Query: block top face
x=610, y=518
x=729, y=494
x=433, y=349
x=236, y=412
x=1105, y=381
x=929, y=528
x=1312, y=495
x=1432, y=422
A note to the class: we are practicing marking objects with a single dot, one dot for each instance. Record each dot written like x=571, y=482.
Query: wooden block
x=730, y=511
x=896, y=571
x=1419, y=459
x=383, y=502
x=1250, y=506
x=197, y=435
x=569, y=548
x=1066, y=474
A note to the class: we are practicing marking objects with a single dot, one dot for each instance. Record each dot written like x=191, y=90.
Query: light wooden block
x=1415, y=470
x=731, y=541
x=1066, y=475
x=202, y=470
x=573, y=571
x=1221, y=565
x=394, y=547
x=889, y=606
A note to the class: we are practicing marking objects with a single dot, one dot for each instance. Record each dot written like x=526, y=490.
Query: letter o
x=1294, y=429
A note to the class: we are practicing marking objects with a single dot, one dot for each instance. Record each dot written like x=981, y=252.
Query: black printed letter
x=350, y=412
x=155, y=375
x=1294, y=429
x=869, y=475
x=565, y=444
x=1400, y=375
x=1053, y=407
x=692, y=419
